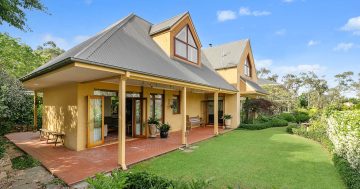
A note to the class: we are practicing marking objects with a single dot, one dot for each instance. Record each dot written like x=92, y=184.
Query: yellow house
x=109, y=85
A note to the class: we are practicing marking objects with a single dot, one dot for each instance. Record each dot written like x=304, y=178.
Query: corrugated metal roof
x=254, y=85
x=167, y=24
x=225, y=55
x=127, y=45
x=261, y=81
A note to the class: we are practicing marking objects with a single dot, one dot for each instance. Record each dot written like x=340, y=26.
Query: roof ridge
x=227, y=43
x=105, y=31
x=172, y=17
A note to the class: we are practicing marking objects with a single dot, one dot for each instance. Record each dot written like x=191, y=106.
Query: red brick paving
x=73, y=167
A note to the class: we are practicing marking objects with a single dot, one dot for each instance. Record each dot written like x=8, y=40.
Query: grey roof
x=225, y=55
x=261, y=81
x=127, y=45
x=254, y=85
x=167, y=24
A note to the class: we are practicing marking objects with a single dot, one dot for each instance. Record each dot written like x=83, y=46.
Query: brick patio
x=73, y=167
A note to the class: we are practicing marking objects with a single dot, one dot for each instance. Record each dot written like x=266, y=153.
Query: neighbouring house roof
x=167, y=24
x=254, y=85
x=226, y=55
x=261, y=81
x=127, y=45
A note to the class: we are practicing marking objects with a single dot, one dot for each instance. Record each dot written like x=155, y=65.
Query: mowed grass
x=268, y=158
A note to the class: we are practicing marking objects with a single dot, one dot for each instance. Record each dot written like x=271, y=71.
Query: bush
x=276, y=122
x=146, y=180
x=350, y=176
x=290, y=127
x=263, y=123
x=301, y=117
x=287, y=116
x=262, y=119
x=101, y=181
x=24, y=162
x=2, y=147
x=255, y=126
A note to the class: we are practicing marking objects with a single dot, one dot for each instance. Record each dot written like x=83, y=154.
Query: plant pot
x=227, y=123
x=164, y=134
x=152, y=130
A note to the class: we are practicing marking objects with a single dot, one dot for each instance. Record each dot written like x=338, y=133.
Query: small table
x=44, y=133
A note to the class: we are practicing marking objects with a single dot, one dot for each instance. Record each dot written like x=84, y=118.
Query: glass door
x=139, y=110
x=95, y=129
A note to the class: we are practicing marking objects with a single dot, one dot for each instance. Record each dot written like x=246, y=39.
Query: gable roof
x=226, y=55
x=254, y=85
x=167, y=24
x=127, y=45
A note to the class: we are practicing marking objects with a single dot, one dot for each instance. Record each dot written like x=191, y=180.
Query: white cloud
x=80, y=38
x=225, y=15
x=288, y=1
x=313, y=43
x=352, y=25
x=60, y=42
x=300, y=68
x=280, y=32
x=263, y=63
x=344, y=47
x=245, y=11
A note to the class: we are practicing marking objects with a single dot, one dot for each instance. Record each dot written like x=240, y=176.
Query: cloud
x=263, y=63
x=344, y=47
x=60, y=42
x=225, y=15
x=80, y=38
x=280, y=32
x=245, y=11
x=300, y=68
x=352, y=25
x=288, y=1
x=312, y=43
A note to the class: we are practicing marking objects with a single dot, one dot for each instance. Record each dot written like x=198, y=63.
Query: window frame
x=178, y=104
x=247, y=67
x=187, y=44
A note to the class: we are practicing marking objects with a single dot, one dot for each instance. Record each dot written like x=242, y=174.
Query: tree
x=280, y=97
x=316, y=88
x=48, y=51
x=273, y=77
x=345, y=81
x=12, y=12
x=262, y=72
x=17, y=59
x=292, y=83
x=356, y=86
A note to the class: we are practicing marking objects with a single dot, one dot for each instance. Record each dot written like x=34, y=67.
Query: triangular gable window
x=185, y=46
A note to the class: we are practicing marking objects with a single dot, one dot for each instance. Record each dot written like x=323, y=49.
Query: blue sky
x=287, y=36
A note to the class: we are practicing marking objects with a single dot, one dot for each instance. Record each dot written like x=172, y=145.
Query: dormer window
x=185, y=46
x=247, y=67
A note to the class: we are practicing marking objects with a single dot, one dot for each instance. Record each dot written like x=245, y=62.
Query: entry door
x=138, y=114
x=95, y=129
x=210, y=111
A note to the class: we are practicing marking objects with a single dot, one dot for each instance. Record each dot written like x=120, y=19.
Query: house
x=109, y=85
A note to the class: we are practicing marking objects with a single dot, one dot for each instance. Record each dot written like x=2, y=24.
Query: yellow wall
x=229, y=74
x=163, y=40
x=61, y=111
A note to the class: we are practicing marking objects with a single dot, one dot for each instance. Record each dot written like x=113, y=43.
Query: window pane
x=182, y=34
x=191, y=40
x=104, y=93
x=176, y=104
x=192, y=53
x=180, y=49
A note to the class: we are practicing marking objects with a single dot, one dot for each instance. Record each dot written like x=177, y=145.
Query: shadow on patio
x=72, y=166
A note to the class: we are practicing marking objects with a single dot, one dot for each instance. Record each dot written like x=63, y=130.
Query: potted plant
x=153, y=123
x=227, y=119
x=164, y=130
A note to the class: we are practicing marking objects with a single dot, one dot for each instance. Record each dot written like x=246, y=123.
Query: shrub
x=255, y=126
x=276, y=122
x=290, y=127
x=2, y=147
x=344, y=132
x=350, y=176
x=301, y=117
x=287, y=116
x=24, y=162
x=193, y=184
x=128, y=180
x=262, y=119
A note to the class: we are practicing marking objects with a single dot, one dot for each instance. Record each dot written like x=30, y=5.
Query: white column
x=216, y=113
x=121, y=124
x=183, y=109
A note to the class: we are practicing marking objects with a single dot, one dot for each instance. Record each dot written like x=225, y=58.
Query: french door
x=95, y=127
x=139, y=117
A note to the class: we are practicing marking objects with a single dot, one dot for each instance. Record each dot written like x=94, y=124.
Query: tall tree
x=356, y=86
x=263, y=72
x=12, y=12
x=48, y=51
x=344, y=81
x=316, y=88
x=292, y=83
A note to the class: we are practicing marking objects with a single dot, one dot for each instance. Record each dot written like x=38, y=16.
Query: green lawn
x=268, y=158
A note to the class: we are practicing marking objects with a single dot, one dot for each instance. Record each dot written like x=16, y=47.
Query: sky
x=287, y=36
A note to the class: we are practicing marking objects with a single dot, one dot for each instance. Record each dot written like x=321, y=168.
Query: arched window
x=185, y=46
x=247, y=68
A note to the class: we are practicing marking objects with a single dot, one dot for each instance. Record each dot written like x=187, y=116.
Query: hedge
x=350, y=176
x=273, y=122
